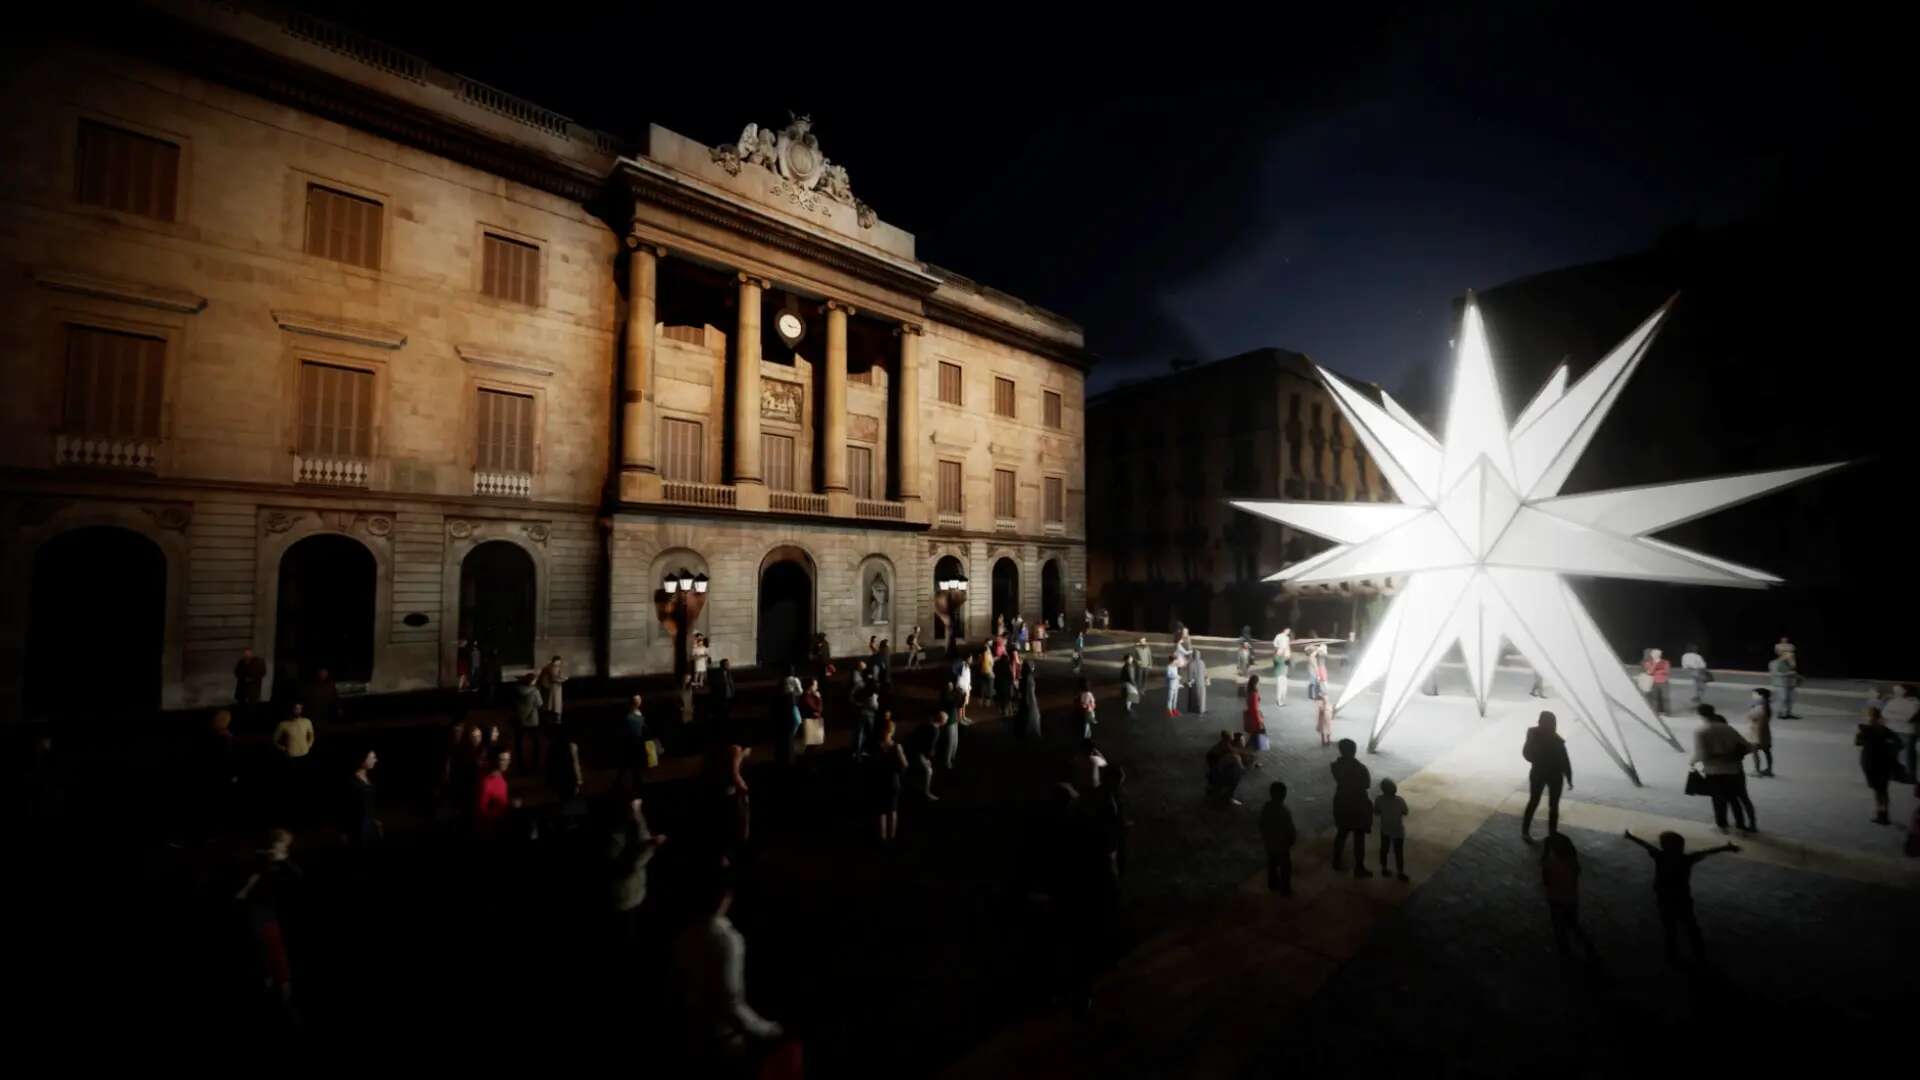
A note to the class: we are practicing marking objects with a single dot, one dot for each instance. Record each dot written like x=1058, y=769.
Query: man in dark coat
x=248, y=673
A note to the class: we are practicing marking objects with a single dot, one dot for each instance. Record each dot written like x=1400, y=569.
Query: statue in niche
x=877, y=599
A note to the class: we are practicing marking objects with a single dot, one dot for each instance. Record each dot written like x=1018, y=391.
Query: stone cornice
x=380, y=337
x=175, y=43
x=643, y=181
x=961, y=319
x=126, y=292
x=485, y=357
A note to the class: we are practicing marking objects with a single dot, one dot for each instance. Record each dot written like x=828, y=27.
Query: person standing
x=1547, y=768
x=491, y=803
x=888, y=768
x=883, y=665
x=813, y=719
x=1243, y=661
x=565, y=778
x=913, y=648
x=634, y=736
x=1282, y=665
x=1352, y=808
x=1718, y=750
x=1143, y=655
x=1695, y=666
x=323, y=699
x=866, y=715
x=1040, y=638
x=1278, y=835
x=1030, y=704
x=1251, y=721
x=712, y=960
x=1003, y=683
x=924, y=745
x=552, y=684
x=1392, y=811
x=1085, y=703
x=1560, y=878
x=1657, y=669
x=1317, y=672
x=963, y=686
x=1197, y=688
x=1131, y=677
x=1903, y=708
x=1084, y=768
x=249, y=672
x=948, y=747
x=359, y=826
x=294, y=736
x=720, y=698
x=629, y=850
x=702, y=656
x=1879, y=758
x=783, y=721
x=1323, y=719
x=1783, y=676
x=1760, y=730
x=1173, y=686
x=526, y=706
x=1673, y=889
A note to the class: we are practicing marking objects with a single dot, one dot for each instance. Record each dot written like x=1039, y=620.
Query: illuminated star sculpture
x=1483, y=537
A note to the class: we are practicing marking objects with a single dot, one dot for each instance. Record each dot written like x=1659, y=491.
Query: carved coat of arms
x=804, y=175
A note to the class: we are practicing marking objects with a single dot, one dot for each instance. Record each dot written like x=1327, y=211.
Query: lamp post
x=682, y=597
x=952, y=594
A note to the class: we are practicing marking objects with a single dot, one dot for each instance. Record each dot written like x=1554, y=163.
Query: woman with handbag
x=1718, y=750
x=1252, y=722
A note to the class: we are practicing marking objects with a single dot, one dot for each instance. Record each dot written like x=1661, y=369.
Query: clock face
x=790, y=326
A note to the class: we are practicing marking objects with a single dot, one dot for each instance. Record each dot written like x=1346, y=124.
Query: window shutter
x=1003, y=494
x=510, y=270
x=950, y=490
x=776, y=459
x=336, y=411
x=682, y=451
x=121, y=170
x=1003, y=397
x=1056, y=500
x=1052, y=408
x=115, y=382
x=950, y=383
x=343, y=227
x=860, y=471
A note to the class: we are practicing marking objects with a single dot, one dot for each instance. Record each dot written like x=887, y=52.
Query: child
x=1173, y=686
x=1323, y=719
x=1560, y=877
x=1085, y=702
x=1673, y=888
x=1277, y=832
x=1392, y=812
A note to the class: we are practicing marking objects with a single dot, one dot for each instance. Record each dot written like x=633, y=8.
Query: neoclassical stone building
x=317, y=350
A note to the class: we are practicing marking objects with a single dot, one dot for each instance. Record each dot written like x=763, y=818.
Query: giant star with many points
x=1484, y=538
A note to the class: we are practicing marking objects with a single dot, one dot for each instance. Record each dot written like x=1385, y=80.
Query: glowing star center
x=1483, y=538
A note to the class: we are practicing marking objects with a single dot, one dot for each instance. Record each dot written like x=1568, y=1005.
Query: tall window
x=124, y=171
x=1050, y=408
x=510, y=270
x=343, y=227
x=336, y=411
x=776, y=461
x=682, y=451
x=1002, y=397
x=860, y=471
x=114, y=383
x=1003, y=492
x=505, y=432
x=950, y=491
x=950, y=383
x=1056, y=500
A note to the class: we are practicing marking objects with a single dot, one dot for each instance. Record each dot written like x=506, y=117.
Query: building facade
x=1165, y=546
x=323, y=352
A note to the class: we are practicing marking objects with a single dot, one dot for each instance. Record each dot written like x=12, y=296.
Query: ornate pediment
x=805, y=177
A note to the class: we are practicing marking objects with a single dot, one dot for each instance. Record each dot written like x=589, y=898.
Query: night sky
x=1328, y=183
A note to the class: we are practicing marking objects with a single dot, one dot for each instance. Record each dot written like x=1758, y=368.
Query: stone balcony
x=686, y=493
x=796, y=502
x=331, y=471
x=502, y=485
x=106, y=452
x=755, y=498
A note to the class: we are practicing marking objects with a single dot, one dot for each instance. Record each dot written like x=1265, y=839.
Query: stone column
x=907, y=467
x=639, y=480
x=752, y=491
x=833, y=438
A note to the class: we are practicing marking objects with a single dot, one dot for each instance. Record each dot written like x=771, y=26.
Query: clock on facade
x=790, y=328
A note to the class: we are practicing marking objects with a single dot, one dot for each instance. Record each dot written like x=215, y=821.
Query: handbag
x=1260, y=742
x=1644, y=681
x=653, y=753
x=813, y=731
x=1314, y=693
x=1696, y=783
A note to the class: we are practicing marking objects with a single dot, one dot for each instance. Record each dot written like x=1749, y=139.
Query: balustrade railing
x=106, y=452
x=880, y=508
x=502, y=485
x=691, y=494
x=796, y=502
x=331, y=471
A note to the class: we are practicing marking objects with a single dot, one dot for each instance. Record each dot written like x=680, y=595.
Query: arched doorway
x=786, y=608
x=96, y=625
x=1006, y=591
x=949, y=605
x=1053, y=601
x=325, y=612
x=496, y=600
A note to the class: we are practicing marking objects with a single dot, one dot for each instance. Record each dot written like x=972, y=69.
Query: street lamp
x=683, y=596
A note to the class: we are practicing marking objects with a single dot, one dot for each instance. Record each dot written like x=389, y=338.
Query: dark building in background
x=1774, y=356
x=1165, y=455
